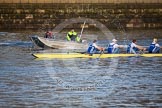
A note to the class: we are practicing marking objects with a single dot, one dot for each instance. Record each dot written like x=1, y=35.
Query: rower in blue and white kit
x=93, y=47
x=154, y=47
x=134, y=48
x=113, y=47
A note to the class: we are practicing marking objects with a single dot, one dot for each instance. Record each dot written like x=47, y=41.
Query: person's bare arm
x=121, y=46
x=140, y=47
x=99, y=48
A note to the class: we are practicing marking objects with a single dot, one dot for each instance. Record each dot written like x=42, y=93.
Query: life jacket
x=110, y=48
x=91, y=49
x=154, y=49
x=71, y=36
x=129, y=48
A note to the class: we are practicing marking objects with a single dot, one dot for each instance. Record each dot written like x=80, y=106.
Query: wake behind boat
x=57, y=44
x=80, y=55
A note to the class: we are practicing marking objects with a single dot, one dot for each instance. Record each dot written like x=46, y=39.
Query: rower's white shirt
x=94, y=44
x=156, y=44
x=133, y=45
x=115, y=45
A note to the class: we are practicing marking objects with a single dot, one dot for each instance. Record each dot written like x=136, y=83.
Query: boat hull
x=57, y=44
x=79, y=55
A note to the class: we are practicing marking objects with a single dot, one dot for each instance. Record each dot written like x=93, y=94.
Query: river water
x=111, y=82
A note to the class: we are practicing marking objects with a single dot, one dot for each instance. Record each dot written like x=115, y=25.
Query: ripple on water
x=111, y=82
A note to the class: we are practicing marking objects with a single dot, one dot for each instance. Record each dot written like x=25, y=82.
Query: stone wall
x=49, y=15
x=80, y=1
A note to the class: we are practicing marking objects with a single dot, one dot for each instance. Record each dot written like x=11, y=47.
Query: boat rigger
x=79, y=55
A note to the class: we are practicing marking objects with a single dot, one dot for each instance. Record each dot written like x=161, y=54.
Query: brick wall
x=37, y=15
x=80, y=1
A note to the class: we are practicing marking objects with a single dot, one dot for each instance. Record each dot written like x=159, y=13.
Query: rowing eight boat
x=79, y=55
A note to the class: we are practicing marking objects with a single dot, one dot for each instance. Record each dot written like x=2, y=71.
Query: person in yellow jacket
x=72, y=36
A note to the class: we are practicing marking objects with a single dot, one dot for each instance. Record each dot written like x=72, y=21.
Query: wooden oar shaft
x=82, y=29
